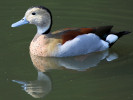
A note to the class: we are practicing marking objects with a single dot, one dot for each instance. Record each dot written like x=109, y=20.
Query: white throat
x=41, y=30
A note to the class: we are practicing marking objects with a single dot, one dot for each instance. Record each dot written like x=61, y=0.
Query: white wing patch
x=80, y=45
x=111, y=38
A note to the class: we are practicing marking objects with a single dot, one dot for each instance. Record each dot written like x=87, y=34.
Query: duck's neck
x=44, y=29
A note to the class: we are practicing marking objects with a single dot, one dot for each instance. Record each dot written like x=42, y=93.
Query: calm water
x=89, y=77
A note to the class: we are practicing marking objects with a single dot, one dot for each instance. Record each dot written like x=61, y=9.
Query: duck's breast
x=38, y=46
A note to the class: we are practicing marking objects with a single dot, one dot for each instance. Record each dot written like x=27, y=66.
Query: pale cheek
x=37, y=21
x=30, y=19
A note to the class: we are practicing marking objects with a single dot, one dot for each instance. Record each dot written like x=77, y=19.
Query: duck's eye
x=33, y=13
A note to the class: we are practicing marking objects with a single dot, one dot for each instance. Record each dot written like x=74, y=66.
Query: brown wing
x=72, y=33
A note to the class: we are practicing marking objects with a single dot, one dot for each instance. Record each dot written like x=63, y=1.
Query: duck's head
x=39, y=16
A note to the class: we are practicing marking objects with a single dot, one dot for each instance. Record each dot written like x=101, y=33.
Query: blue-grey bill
x=20, y=23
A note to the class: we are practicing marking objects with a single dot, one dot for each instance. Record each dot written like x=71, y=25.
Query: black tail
x=120, y=34
x=104, y=31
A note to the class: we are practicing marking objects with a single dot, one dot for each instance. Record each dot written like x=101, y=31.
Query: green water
x=90, y=77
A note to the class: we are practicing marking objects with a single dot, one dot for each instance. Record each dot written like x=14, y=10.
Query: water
x=85, y=77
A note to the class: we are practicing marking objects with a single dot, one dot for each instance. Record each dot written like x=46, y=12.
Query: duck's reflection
x=43, y=85
x=38, y=88
x=79, y=63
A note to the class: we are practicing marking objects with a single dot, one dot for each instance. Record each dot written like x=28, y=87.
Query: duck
x=68, y=41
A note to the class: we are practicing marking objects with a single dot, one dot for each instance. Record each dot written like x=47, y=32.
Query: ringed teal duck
x=66, y=42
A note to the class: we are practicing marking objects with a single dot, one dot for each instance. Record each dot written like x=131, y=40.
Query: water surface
x=89, y=77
